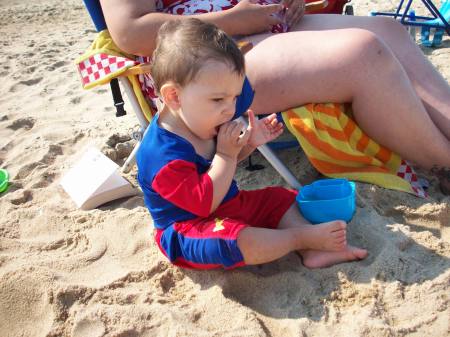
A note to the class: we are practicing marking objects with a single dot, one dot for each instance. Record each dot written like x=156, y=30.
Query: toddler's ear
x=169, y=94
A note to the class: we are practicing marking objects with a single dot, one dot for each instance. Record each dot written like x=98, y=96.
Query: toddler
x=188, y=157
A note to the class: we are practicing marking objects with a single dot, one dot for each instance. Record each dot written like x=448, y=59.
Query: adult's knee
x=361, y=40
x=389, y=26
x=369, y=49
x=366, y=56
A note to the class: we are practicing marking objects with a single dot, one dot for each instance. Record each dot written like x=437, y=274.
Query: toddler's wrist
x=226, y=156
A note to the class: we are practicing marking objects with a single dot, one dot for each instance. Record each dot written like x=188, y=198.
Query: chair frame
x=412, y=18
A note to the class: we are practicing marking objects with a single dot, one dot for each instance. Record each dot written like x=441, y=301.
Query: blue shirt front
x=173, y=176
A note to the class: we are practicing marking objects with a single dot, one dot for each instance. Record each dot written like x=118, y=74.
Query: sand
x=66, y=272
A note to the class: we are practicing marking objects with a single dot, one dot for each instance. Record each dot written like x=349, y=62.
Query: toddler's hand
x=263, y=130
x=232, y=138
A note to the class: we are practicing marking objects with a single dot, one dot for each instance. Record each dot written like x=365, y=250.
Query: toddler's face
x=210, y=99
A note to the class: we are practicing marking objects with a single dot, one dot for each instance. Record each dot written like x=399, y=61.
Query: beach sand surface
x=67, y=272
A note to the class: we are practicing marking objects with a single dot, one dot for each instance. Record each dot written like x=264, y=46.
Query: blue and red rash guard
x=174, y=177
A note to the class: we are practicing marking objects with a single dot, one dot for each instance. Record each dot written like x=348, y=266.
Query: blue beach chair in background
x=439, y=22
x=105, y=63
x=439, y=32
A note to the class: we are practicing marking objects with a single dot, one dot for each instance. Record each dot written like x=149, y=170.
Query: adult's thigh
x=291, y=69
x=376, y=24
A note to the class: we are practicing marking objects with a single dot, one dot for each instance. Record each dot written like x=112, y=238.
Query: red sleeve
x=181, y=184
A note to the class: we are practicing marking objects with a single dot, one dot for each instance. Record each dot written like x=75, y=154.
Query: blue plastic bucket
x=327, y=200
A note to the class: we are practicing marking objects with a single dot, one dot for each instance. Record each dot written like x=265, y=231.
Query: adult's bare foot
x=320, y=259
x=330, y=236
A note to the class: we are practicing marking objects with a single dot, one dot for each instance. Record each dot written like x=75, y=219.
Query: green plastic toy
x=4, y=180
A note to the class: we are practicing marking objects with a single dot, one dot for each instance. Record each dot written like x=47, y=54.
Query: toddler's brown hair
x=183, y=47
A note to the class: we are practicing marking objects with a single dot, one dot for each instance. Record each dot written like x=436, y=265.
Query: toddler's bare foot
x=320, y=259
x=329, y=236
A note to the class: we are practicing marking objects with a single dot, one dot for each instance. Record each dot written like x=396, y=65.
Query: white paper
x=88, y=175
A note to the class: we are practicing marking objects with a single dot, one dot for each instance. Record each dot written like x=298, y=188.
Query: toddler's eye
x=217, y=99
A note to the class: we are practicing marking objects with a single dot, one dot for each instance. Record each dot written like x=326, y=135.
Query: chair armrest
x=145, y=68
x=139, y=69
x=316, y=5
x=244, y=46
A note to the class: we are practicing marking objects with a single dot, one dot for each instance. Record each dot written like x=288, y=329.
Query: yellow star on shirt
x=219, y=225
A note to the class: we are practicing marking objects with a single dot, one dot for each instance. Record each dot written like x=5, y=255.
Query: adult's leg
x=347, y=65
x=429, y=84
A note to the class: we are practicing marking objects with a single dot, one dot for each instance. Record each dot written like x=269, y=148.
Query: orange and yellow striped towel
x=338, y=148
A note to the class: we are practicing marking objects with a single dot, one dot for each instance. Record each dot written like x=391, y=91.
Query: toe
x=359, y=253
x=339, y=234
x=339, y=225
x=341, y=244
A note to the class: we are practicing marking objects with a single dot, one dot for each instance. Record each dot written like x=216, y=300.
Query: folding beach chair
x=105, y=63
x=332, y=141
x=438, y=22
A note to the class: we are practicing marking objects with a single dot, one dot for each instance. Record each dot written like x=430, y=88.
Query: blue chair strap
x=96, y=13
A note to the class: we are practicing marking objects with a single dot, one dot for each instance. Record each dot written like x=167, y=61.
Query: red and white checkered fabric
x=406, y=172
x=190, y=7
x=98, y=66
